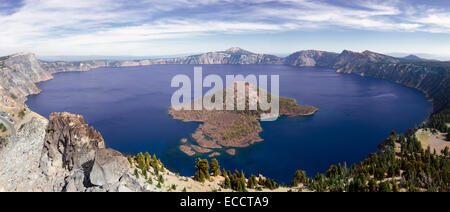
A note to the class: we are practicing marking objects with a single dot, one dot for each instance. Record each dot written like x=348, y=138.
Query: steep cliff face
x=28, y=65
x=431, y=78
x=18, y=76
x=311, y=58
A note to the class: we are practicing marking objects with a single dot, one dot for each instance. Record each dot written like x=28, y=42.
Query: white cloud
x=101, y=26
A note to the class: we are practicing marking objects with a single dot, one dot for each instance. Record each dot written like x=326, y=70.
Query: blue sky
x=174, y=27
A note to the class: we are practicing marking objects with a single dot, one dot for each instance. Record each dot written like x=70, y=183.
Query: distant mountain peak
x=236, y=50
x=413, y=57
x=349, y=52
x=23, y=54
x=369, y=52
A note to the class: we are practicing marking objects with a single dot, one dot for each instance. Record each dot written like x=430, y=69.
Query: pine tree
x=384, y=187
x=215, y=167
x=162, y=168
x=161, y=179
x=148, y=159
x=130, y=160
x=202, y=172
x=251, y=182
x=155, y=166
x=144, y=173
x=448, y=134
x=372, y=185
x=227, y=183
x=445, y=151
x=136, y=173
x=300, y=177
x=141, y=161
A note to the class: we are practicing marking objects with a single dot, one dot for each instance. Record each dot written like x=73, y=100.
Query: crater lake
x=129, y=106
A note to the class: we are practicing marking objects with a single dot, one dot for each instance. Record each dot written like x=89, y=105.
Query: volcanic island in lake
x=225, y=130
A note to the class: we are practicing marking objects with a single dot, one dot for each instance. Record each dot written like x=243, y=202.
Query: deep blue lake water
x=129, y=107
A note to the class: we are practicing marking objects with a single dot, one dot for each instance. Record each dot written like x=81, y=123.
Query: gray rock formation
x=70, y=143
x=109, y=167
x=18, y=75
x=63, y=154
x=19, y=159
x=74, y=159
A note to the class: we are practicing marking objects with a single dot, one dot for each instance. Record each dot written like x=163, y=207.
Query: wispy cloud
x=55, y=26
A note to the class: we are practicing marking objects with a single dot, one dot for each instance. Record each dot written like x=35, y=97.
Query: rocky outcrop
x=27, y=65
x=63, y=154
x=69, y=151
x=19, y=158
x=74, y=159
x=70, y=143
x=18, y=75
x=109, y=167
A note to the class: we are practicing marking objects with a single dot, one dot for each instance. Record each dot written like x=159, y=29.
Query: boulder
x=109, y=166
x=75, y=182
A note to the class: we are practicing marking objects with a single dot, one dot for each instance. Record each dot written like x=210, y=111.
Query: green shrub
x=2, y=127
x=22, y=113
x=136, y=173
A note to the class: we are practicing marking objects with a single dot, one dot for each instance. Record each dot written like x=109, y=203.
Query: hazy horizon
x=131, y=57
